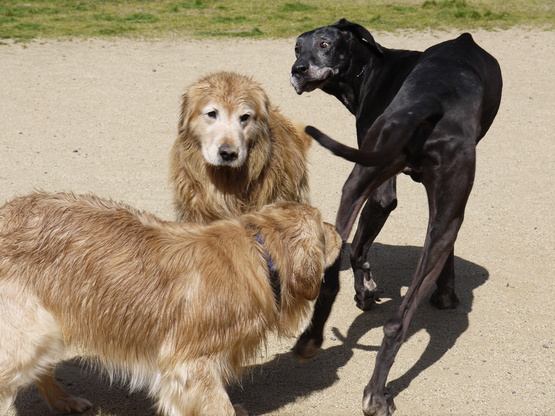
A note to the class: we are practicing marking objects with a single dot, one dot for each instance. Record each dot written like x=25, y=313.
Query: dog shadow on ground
x=283, y=379
x=79, y=379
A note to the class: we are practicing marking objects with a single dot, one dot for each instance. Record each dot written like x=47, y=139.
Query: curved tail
x=394, y=130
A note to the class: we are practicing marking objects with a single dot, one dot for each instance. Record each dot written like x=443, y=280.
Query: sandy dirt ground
x=101, y=116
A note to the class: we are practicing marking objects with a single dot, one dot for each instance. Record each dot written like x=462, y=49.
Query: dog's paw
x=305, y=349
x=444, y=300
x=240, y=410
x=70, y=404
x=375, y=405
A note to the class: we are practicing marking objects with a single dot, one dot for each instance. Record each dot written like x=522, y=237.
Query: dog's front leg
x=196, y=389
x=310, y=341
x=372, y=218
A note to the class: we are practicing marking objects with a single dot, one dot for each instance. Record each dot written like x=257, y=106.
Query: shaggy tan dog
x=175, y=308
x=235, y=152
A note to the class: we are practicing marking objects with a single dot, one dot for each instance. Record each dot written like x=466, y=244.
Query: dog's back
x=112, y=276
x=474, y=82
x=175, y=308
x=129, y=291
x=44, y=239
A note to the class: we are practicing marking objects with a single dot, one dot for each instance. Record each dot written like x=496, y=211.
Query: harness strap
x=273, y=275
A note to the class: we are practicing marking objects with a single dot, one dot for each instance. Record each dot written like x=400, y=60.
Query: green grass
x=56, y=19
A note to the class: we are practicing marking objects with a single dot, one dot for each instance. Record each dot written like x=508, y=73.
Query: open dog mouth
x=314, y=78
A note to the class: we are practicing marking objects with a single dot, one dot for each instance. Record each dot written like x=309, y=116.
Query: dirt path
x=100, y=117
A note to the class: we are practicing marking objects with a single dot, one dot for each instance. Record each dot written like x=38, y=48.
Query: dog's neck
x=348, y=86
x=375, y=76
x=271, y=265
x=273, y=273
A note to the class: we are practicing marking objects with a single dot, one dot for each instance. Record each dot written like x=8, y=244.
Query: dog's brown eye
x=244, y=117
x=212, y=114
x=324, y=45
x=296, y=51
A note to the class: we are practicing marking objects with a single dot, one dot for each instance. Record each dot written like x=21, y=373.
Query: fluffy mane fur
x=275, y=168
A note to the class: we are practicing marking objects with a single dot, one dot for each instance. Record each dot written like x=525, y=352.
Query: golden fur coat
x=231, y=110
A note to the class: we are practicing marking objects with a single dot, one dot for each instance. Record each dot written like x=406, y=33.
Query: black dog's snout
x=300, y=68
x=228, y=153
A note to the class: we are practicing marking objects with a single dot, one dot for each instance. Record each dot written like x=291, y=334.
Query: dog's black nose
x=228, y=153
x=299, y=68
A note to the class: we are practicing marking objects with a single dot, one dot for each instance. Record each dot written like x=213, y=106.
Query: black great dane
x=421, y=113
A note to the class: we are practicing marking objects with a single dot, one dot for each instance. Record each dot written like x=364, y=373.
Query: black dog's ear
x=360, y=33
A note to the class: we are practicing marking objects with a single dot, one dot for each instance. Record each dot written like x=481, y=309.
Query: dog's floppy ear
x=306, y=239
x=296, y=242
x=319, y=251
x=264, y=106
x=183, y=116
x=307, y=269
x=333, y=244
x=360, y=33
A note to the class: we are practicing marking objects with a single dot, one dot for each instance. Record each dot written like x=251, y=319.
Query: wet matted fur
x=235, y=151
x=175, y=308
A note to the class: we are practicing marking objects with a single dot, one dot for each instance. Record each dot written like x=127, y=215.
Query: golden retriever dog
x=235, y=152
x=175, y=308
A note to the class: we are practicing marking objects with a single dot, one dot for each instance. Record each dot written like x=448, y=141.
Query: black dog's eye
x=296, y=51
x=212, y=114
x=324, y=45
x=244, y=117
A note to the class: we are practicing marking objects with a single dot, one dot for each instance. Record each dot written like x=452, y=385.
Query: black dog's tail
x=350, y=153
x=394, y=130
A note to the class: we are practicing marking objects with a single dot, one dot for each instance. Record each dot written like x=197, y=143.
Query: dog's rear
x=235, y=152
x=31, y=343
x=166, y=306
x=413, y=123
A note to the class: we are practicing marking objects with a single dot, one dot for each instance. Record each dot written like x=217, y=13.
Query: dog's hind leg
x=448, y=186
x=444, y=297
x=372, y=218
x=7, y=397
x=31, y=344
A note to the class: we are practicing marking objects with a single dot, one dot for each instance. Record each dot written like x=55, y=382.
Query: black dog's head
x=325, y=53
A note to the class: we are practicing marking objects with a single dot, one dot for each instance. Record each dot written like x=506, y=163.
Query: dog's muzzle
x=306, y=77
x=228, y=153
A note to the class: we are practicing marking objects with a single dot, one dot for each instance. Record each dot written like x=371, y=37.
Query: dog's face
x=301, y=245
x=225, y=113
x=324, y=54
x=321, y=54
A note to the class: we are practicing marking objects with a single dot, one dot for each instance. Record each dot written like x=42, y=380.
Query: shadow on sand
x=283, y=379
